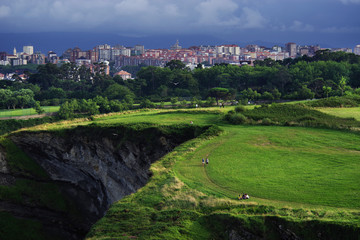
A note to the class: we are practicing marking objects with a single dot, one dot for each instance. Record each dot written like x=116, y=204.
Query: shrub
x=38, y=108
x=147, y=104
x=174, y=100
x=345, y=101
x=240, y=109
x=235, y=118
x=12, y=124
x=209, y=102
x=162, y=105
x=183, y=103
x=267, y=121
x=306, y=118
x=297, y=114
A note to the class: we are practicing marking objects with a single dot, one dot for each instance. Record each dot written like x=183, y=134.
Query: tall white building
x=139, y=49
x=228, y=49
x=291, y=49
x=357, y=49
x=28, y=50
x=104, y=52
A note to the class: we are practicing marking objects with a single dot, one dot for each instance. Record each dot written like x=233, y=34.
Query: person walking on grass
x=207, y=161
x=203, y=162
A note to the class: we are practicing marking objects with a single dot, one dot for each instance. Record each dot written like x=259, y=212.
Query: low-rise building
x=123, y=74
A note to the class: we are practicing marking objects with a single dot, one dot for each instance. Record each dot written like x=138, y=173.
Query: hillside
x=302, y=181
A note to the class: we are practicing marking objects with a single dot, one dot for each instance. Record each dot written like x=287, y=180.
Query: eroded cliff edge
x=93, y=167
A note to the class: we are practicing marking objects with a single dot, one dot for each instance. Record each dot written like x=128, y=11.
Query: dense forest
x=324, y=75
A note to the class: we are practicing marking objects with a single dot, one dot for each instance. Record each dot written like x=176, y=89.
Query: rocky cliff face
x=93, y=167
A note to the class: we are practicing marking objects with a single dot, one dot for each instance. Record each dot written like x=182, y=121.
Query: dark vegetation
x=7, y=126
x=290, y=115
x=325, y=75
x=335, y=102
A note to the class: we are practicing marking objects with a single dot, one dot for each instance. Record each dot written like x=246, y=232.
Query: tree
x=275, y=92
x=174, y=100
x=88, y=106
x=25, y=97
x=175, y=64
x=219, y=93
x=116, y=106
x=317, y=86
x=199, y=66
x=117, y=91
x=54, y=92
x=38, y=108
x=327, y=90
x=146, y=103
x=342, y=84
x=267, y=96
x=5, y=95
x=103, y=104
x=65, y=111
x=12, y=101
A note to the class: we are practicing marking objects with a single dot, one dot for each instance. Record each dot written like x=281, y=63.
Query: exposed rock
x=95, y=170
x=287, y=234
x=242, y=234
x=3, y=164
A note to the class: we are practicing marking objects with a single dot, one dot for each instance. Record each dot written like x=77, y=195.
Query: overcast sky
x=311, y=21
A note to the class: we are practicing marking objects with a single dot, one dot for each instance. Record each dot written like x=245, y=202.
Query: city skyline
x=331, y=22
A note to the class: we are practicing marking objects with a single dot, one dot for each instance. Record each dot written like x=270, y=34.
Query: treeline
x=74, y=107
x=15, y=99
x=324, y=75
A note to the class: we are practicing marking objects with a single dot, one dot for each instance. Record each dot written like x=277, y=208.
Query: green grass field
x=26, y=111
x=291, y=165
x=271, y=163
x=342, y=112
x=296, y=173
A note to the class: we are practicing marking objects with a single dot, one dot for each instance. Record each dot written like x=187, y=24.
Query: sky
x=334, y=23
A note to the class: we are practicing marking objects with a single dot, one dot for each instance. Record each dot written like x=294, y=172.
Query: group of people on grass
x=243, y=196
x=203, y=161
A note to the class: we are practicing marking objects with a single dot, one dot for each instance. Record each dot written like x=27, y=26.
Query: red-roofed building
x=123, y=74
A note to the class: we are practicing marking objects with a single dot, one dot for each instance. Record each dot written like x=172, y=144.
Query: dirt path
x=29, y=116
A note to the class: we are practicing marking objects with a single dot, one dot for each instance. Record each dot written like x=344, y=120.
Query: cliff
x=92, y=167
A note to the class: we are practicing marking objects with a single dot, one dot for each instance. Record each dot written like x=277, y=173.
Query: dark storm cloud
x=228, y=18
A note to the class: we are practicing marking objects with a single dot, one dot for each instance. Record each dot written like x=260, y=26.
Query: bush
x=174, y=100
x=209, y=102
x=267, y=121
x=162, y=105
x=183, y=103
x=240, y=109
x=12, y=124
x=147, y=104
x=306, y=118
x=345, y=101
x=235, y=118
x=296, y=115
x=38, y=108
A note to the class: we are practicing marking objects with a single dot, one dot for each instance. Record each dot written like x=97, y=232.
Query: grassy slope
x=285, y=167
x=298, y=165
x=268, y=162
x=342, y=112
